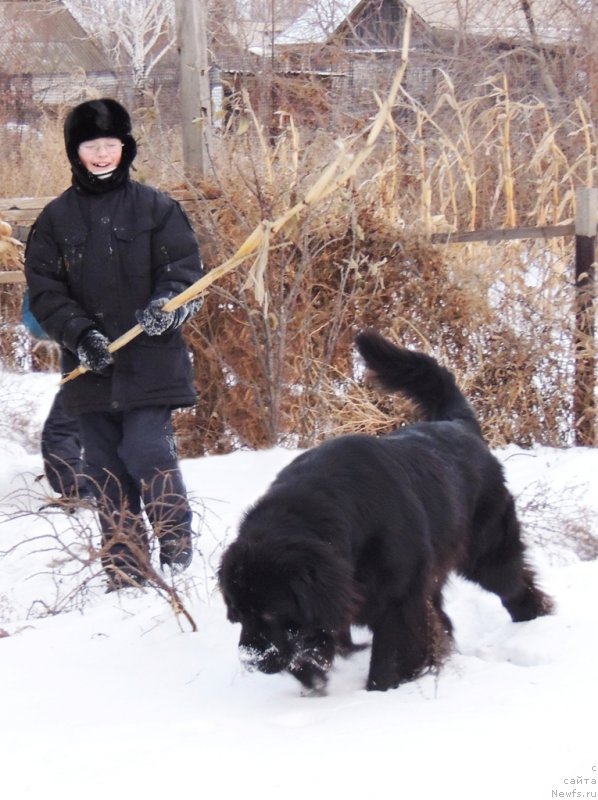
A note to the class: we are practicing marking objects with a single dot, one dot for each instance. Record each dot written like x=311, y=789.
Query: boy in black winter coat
x=105, y=254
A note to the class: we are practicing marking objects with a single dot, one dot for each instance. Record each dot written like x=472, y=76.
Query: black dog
x=365, y=530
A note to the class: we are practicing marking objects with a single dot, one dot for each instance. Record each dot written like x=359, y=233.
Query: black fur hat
x=96, y=119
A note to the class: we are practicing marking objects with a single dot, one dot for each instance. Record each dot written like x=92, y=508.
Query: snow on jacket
x=91, y=261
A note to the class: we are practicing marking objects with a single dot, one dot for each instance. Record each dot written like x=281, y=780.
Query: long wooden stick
x=331, y=179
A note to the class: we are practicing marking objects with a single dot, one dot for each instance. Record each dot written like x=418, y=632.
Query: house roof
x=504, y=19
x=318, y=23
x=39, y=38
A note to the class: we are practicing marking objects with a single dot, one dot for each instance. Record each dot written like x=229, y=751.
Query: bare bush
x=66, y=547
x=559, y=522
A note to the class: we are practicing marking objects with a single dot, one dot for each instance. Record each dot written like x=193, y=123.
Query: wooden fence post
x=194, y=85
x=584, y=398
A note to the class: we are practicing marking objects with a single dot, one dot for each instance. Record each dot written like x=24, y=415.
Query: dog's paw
x=319, y=690
x=312, y=679
x=382, y=684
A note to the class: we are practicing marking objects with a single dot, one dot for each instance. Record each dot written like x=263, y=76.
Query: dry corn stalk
x=11, y=250
x=335, y=175
x=507, y=163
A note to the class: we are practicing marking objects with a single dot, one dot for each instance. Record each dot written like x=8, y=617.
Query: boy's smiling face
x=101, y=156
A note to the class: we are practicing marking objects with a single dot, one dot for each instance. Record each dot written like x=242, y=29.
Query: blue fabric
x=29, y=321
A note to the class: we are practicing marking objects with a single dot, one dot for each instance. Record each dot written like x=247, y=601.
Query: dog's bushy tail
x=431, y=387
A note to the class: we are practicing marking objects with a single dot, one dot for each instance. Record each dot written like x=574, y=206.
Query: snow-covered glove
x=155, y=321
x=93, y=352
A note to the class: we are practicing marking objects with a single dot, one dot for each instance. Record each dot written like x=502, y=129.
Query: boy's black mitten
x=155, y=321
x=93, y=352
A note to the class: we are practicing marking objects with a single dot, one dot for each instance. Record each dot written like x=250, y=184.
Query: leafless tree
x=138, y=33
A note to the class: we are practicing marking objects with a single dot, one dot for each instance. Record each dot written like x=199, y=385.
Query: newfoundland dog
x=365, y=530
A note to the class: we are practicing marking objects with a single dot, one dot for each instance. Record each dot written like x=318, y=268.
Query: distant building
x=46, y=60
x=337, y=53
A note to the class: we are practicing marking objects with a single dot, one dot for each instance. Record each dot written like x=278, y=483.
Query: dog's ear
x=324, y=590
x=231, y=580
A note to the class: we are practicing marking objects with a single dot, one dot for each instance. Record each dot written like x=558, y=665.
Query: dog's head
x=290, y=596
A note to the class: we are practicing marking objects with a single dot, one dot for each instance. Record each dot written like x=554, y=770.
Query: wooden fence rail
x=504, y=234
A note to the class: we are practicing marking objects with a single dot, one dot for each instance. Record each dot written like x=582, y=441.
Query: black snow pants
x=131, y=459
x=61, y=451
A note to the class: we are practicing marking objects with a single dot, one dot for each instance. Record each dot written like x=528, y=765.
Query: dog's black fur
x=365, y=530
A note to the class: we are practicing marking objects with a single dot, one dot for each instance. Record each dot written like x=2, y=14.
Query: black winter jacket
x=91, y=261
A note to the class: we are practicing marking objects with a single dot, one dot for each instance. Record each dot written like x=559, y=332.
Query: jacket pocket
x=71, y=245
x=163, y=366
x=135, y=238
x=134, y=245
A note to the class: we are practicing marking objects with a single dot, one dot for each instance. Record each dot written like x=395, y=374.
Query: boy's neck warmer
x=97, y=184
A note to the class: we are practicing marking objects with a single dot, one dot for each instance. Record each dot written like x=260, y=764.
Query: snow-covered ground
x=113, y=696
